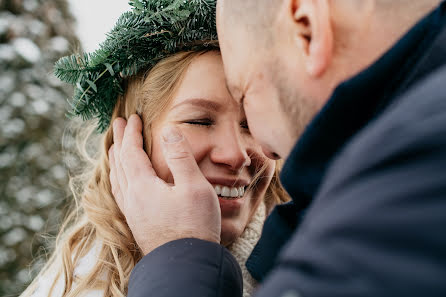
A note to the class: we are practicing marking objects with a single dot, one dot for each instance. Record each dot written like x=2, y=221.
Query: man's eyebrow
x=201, y=102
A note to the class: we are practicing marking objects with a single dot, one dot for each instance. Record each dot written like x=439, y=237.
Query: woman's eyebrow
x=200, y=102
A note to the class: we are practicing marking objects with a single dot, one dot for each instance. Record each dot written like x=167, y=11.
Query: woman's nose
x=230, y=150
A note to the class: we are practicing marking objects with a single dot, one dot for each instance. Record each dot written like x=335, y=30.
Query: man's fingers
x=118, y=134
x=119, y=125
x=133, y=132
x=134, y=159
x=179, y=158
x=119, y=198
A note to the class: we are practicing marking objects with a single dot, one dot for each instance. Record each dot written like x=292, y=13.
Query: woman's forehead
x=203, y=81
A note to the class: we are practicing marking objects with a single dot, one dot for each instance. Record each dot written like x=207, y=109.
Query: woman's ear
x=313, y=33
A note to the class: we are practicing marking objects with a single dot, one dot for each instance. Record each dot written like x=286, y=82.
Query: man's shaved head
x=257, y=16
x=284, y=58
x=261, y=10
x=253, y=16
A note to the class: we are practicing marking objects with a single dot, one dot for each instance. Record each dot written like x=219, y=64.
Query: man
x=360, y=86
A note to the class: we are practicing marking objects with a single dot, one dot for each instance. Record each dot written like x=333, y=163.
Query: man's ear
x=313, y=33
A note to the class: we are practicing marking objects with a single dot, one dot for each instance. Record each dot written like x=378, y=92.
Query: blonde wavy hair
x=95, y=215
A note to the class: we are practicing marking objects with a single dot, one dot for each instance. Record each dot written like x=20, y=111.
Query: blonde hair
x=95, y=214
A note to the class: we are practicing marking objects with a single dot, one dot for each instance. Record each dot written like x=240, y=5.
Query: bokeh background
x=33, y=163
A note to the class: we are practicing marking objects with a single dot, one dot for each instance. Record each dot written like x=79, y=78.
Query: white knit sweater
x=243, y=246
x=241, y=249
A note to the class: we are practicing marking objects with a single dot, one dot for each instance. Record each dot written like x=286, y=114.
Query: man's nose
x=230, y=150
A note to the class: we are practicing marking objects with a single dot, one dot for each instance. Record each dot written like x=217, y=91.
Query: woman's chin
x=230, y=231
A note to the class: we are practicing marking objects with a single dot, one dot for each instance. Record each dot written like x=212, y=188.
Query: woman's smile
x=229, y=193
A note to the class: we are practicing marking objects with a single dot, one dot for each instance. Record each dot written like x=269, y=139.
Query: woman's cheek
x=198, y=141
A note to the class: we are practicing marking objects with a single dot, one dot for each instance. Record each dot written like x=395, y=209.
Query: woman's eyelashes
x=210, y=122
x=200, y=122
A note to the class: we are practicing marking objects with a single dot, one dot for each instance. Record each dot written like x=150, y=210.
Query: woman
x=95, y=250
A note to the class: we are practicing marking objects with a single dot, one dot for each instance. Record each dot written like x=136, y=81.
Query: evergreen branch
x=157, y=33
x=69, y=69
x=94, y=83
x=153, y=30
x=164, y=11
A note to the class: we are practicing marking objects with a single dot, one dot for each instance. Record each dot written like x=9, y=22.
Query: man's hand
x=155, y=211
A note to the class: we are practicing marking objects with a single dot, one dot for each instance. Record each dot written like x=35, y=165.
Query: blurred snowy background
x=33, y=172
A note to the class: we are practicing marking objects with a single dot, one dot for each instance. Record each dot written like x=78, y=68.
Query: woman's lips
x=231, y=193
x=229, y=187
x=230, y=206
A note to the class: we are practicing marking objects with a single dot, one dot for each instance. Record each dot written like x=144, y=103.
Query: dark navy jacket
x=368, y=182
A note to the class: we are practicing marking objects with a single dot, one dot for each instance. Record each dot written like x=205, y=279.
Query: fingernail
x=133, y=117
x=115, y=124
x=172, y=135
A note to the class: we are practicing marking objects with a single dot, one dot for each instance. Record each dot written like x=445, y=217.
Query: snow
x=7, y=53
x=7, y=83
x=6, y=222
x=5, y=113
x=27, y=49
x=59, y=44
x=34, y=91
x=7, y=256
x=54, y=16
x=17, y=100
x=35, y=223
x=58, y=172
x=14, y=236
x=30, y=5
x=36, y=27
x=44, y=198
x=24, y=276
x=33, y=151
x=13, y=127
x=6, y=19
x=25, y=194
x=6, y=159
x=40, y=106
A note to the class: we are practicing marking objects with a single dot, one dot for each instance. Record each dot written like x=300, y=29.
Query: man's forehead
x=239, y=76
x=233, y=89
x=233, y=67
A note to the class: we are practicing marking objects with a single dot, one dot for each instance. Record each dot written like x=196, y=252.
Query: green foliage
x=151, y=31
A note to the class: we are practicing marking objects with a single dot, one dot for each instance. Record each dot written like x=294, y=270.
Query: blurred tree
x=33, y=178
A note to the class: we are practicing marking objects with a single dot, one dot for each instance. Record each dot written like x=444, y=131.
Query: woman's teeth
x=229, y=192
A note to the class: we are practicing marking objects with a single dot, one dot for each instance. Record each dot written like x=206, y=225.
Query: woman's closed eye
x=210, y=122
x=200, y=122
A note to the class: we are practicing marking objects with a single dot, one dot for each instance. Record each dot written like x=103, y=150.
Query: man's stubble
x=299, y=110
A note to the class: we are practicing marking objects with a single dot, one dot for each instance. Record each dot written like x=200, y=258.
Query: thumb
x=179, y=157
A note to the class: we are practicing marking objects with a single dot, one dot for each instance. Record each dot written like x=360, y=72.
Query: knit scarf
x=243, y=246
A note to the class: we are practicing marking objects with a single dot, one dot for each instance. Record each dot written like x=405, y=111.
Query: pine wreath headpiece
x=151, y=31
